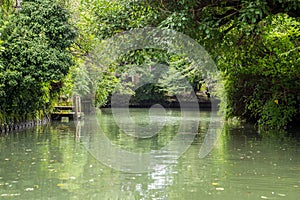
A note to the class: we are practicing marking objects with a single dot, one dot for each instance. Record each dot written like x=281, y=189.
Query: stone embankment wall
x=5, y=128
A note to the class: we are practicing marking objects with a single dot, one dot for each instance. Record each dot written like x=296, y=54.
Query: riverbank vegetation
x=255, y=45
x=34, y=59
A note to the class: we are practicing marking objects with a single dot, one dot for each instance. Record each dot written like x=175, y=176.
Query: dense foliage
x=255, y=45
x=35, y=58
x=263, y=73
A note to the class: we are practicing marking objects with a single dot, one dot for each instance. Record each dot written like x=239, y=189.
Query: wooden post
x=77, y=107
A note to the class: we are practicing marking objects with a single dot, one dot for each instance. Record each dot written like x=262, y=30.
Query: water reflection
x=145, y=158
x=49, y=162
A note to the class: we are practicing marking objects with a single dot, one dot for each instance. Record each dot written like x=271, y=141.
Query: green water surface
x=51, y=162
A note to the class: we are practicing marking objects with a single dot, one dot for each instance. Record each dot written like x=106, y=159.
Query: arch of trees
x=254, y=43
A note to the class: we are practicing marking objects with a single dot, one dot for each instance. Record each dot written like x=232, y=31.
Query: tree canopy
x=35, y=58
x=255, y=45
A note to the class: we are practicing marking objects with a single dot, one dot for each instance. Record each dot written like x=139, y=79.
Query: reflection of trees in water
x=43, y=159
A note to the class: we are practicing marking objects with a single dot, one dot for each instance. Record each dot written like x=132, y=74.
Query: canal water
x=55, y=162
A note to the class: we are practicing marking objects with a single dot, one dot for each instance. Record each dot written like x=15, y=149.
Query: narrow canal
x=51, y=162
